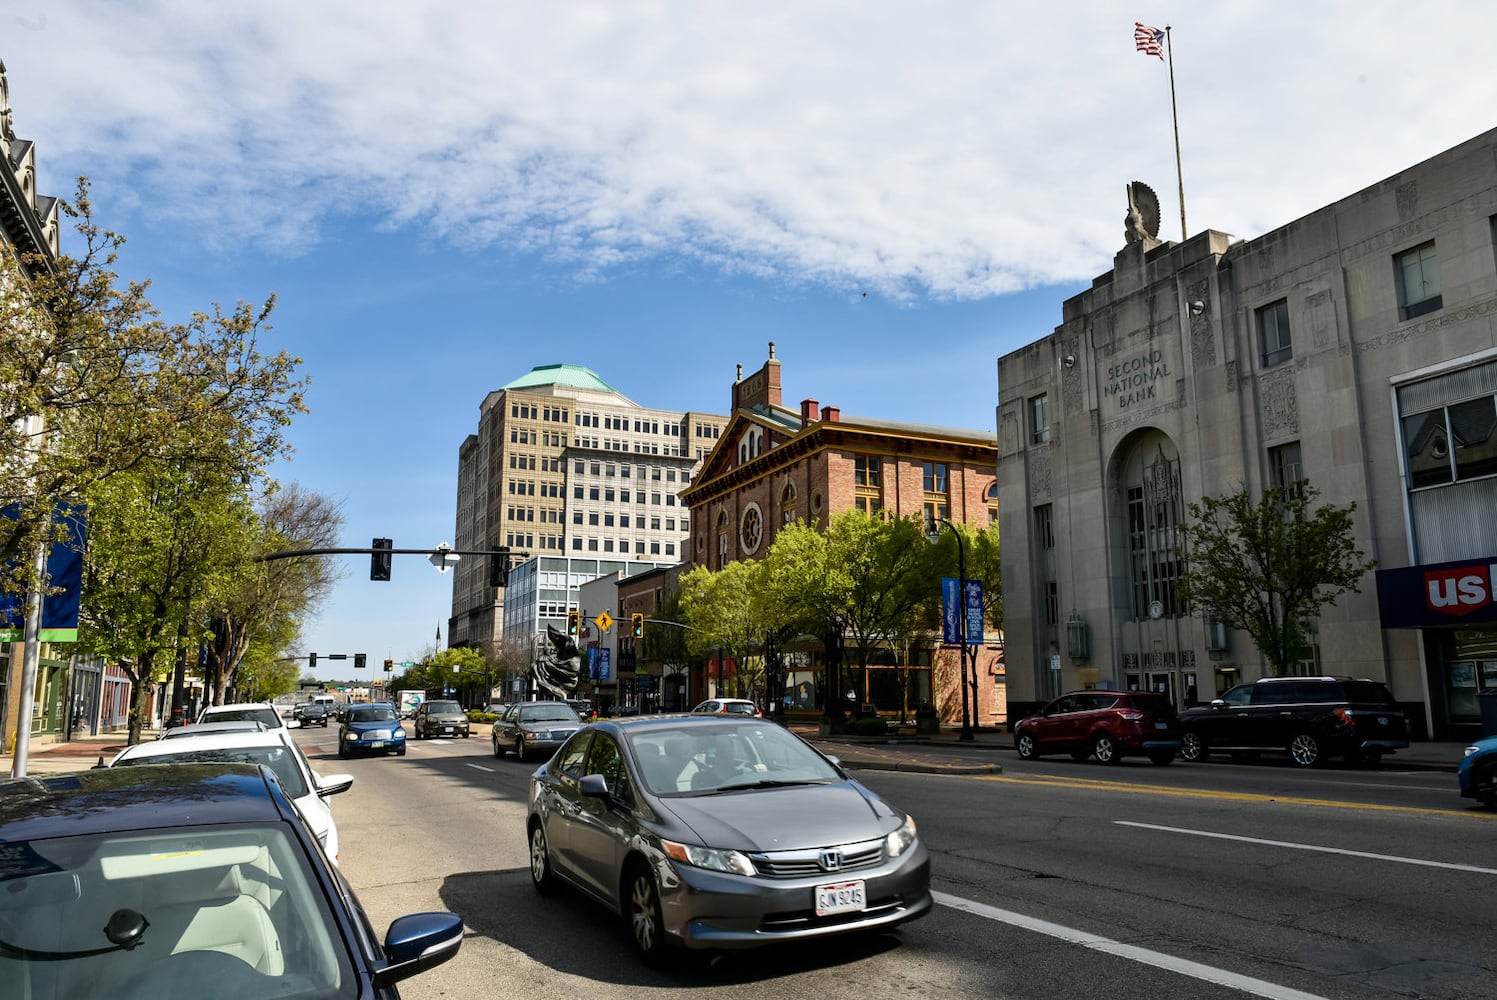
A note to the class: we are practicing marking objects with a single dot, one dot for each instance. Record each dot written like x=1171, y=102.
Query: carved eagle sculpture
x=1142, y=220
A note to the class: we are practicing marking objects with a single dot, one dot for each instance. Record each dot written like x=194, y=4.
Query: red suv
x=1108, y=725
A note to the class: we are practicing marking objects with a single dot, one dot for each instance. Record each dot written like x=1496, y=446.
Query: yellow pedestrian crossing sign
x=604, y=622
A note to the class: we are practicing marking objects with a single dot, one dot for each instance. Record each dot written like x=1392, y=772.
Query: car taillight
x=1345, y=715
x=1131, y=716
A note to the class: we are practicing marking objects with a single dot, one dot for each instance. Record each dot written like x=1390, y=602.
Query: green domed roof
x=575, y=376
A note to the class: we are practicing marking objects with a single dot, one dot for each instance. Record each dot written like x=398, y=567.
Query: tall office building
x=564, y=465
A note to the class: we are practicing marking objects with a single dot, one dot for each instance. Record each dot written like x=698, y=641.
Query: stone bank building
x=1355, y=348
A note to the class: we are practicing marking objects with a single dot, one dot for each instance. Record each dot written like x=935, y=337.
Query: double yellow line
x=1092, y=784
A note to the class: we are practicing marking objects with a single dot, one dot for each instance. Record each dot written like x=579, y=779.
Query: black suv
x=1309, y=718
x=312, y=713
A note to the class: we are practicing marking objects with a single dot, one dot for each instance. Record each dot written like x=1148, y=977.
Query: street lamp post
x=961, y=597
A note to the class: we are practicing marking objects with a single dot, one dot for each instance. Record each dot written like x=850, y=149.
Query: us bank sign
x=1135, y=382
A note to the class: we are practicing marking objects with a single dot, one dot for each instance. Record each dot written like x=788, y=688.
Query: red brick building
x=774, y=465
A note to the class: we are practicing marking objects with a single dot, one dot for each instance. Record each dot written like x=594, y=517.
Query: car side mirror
x=293, y=723
x=1218, y=703
x=595, y=786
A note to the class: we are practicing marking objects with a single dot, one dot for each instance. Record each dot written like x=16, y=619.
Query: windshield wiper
x=771, y=783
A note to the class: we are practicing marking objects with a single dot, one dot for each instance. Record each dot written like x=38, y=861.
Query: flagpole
x=1175, y=113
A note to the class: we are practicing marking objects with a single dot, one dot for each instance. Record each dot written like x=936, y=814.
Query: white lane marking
x=480, y=767
x=1312, y=847
x=1157, y=959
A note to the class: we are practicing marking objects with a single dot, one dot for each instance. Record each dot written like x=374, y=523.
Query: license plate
x=840, y=897
x=1161, y=725
x=378, y=743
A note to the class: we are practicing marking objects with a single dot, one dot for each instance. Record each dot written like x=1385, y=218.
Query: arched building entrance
x=1156, y=649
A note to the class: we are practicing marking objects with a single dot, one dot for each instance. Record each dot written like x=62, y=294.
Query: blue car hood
x=785, y=819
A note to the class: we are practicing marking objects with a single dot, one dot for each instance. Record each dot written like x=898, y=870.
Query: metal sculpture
x=558, y=670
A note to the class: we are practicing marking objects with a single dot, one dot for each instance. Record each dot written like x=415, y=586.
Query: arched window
x=722, y=539
x=787, y=505
x=992, y=499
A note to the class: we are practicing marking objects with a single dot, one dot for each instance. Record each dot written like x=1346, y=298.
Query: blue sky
x=445, y=194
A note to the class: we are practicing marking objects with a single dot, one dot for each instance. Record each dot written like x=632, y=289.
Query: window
x=1452, y=443
x=992, y=500
x=937, y=504
x=1039, y=419
x=1273, y=334
x=1284, y=466
x=868, y=491
x=934, y=477
x=1418, y=281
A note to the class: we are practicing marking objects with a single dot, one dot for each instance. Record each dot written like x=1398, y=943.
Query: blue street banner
x=605, y=665
x=974, y=611
x=951, y=629
x=65, y=574
x=953, y=597
x=592, y=663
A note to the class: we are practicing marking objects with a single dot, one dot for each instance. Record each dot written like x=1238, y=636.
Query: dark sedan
x=535, y=727
x=181, y=880
x=721, y=832
x=370, y=729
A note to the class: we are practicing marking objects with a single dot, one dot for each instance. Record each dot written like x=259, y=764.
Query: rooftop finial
x=771, y=350
x=740, y=374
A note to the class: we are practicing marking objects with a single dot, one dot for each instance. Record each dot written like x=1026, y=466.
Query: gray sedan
x=535, y=727
x=710, y=832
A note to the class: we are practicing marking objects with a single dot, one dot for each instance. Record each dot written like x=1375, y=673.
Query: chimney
x=810, y=412
x=831, y=413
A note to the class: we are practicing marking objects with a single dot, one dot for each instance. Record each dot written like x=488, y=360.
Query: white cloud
x=951, y=149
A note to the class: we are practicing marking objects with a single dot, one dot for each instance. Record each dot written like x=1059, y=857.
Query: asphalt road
x=1056, y=880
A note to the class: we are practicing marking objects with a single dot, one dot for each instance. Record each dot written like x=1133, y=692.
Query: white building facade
x=566, y=469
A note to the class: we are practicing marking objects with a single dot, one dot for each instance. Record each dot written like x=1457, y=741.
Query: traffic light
x=358, y=661
x=499, y=569
x=574, y=622
x=379, y=561
x=311, y=661
x=389, y=666
x=637, y=624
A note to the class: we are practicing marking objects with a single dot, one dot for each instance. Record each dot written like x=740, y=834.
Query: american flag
x=1150, y=41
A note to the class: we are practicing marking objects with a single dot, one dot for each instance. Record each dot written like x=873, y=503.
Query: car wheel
x=646, y=925
x=497, y=752
x=1484, y=787
x=519, y=748
x=1104, y=749
x=342, y=751
x=1026, y=747
x=1162, y=756
x=1192, y=747
x=540, y=860
x=1304, y=750
x=401, y=751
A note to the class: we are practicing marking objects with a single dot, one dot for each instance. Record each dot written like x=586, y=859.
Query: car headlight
x=734, y=862
x=900, y=840
x=1469, y=751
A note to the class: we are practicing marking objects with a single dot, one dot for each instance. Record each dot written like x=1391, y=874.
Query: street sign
x=604, y=622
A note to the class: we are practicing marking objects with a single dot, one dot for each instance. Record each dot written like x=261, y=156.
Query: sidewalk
x=939, y=753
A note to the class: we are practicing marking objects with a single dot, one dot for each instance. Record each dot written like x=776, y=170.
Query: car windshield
x=204, y=728
x=706, y=758
x=251, y=887
x=278, y=758
x=372, y=713
x=443, y=708
x=548, y=713
x=265, y=716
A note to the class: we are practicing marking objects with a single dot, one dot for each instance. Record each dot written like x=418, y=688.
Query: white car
x=255, y=711
x=273, y=748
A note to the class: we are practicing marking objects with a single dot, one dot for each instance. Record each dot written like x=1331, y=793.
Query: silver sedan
x=535, y=727
x=716, y=832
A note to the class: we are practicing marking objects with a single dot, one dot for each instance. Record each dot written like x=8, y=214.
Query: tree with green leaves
x=723, y=617
x=166, y=543
x=1267, y=567
x=93, y=384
